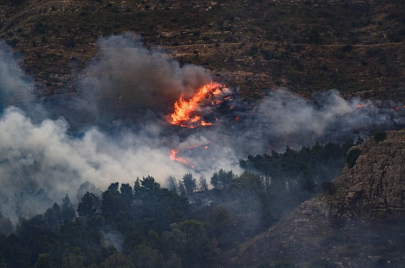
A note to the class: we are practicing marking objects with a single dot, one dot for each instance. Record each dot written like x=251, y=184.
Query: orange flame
x=183, y=109
x=203, y=123
x=173, y=157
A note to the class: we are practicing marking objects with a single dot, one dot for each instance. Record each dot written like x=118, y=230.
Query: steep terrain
x=357, y=222
x=354, y=46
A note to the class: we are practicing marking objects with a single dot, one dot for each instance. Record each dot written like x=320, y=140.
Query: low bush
x=380, y=136
x=352, y=156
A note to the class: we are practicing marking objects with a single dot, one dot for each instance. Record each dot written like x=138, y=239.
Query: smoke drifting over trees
x=121, y=131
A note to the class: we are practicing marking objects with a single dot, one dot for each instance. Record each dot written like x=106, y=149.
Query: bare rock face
x=357, y=222
x=375, y=186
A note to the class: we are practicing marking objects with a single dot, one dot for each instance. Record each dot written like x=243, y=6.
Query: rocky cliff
x=375, y=186
x=357, y=222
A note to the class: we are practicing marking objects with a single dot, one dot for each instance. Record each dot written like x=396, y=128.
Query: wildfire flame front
x=183, y=109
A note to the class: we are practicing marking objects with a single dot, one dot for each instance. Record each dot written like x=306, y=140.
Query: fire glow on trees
x=184, y=110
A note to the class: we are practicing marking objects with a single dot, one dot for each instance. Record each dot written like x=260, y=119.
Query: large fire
x=189, y=113
x=184, y=110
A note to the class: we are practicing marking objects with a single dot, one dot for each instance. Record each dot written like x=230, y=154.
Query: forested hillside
x=184, y=225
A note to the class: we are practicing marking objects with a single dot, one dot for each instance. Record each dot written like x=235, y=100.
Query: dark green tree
x=222, y=179
x=44, y=261
x=202, y=184
x=127, y=194
x=189, y=183
x=89, y=206
x=67, y=209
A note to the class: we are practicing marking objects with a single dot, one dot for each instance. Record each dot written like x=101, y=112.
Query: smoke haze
x=120, y=115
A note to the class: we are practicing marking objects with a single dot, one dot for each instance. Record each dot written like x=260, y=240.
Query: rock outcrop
x=357, y=222
x=375, y=186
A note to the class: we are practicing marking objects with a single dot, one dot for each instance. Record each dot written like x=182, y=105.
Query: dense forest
x=184, y=224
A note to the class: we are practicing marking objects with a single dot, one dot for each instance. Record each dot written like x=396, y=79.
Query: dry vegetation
x=354, y=46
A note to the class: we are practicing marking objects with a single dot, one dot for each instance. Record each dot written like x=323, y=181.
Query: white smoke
x=137, y=87
x=45, y=156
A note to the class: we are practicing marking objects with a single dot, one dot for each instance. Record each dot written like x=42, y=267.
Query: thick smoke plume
x=121, y=127
x=127, y=81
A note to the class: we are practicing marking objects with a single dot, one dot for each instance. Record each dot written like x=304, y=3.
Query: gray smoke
x=15, y=88
x=44, y=156
x=132, y=90
x=127, y=81
x=283, y=118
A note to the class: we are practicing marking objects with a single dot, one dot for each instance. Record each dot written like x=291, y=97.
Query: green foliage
x=174, y=261
x=195, y=249
x=222, y=219
x=284, y=264
x=73, y=261
x=67, y=209
x=112, y=202
x=88, y=206
x=43, y=261
x=127, y=194
x=203, y=185
x=6, y=226
x=264, y=265
x=302, y=166
x=190, y=183
x=118, y=261
x=380, y=136
x=352, y=156
x=296, y=175
x=222, y=179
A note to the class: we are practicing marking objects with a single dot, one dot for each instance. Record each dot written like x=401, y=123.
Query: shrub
x=348, y=251
x=380, y=136
x=263, y=265
x=347, y=48
x=284, y=264
x=352, y=156
x=380, y=263
x=332, y=240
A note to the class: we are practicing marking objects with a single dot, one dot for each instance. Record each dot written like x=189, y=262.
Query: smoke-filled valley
x=161, y=162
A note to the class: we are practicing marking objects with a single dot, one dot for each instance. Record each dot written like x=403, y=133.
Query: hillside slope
x=358, y=225
x=354, y=46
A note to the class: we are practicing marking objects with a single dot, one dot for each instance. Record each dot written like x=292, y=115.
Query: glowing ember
x=183, y=109
x=203, y=123
x=361, y=106
x=173, y=157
